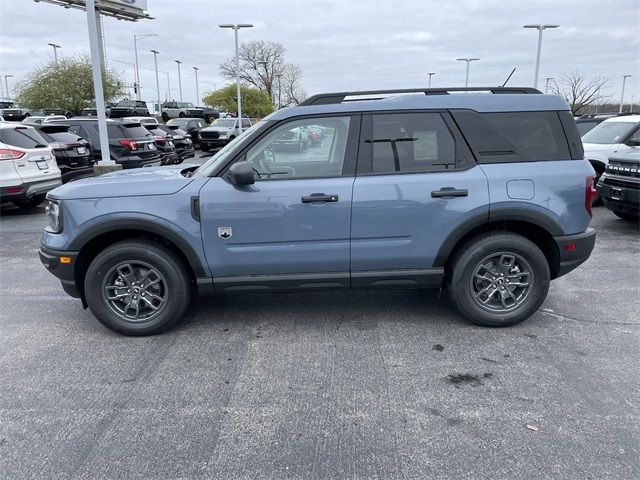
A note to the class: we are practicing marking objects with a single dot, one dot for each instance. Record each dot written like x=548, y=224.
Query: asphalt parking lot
x=359, y=385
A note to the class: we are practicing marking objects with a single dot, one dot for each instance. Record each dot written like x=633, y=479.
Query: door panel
x=272, y=231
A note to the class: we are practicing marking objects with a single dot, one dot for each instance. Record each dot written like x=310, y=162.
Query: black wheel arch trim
x=144, y=225
x=484, y=218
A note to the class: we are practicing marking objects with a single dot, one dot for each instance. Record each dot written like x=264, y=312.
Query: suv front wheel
x=499, y=279
x=137, y=288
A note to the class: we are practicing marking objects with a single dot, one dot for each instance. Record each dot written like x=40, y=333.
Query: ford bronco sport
x=486, y=195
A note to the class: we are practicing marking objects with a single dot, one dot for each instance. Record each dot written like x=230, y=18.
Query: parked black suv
x=72, y=152
x=129, y=108
x=210, y=113
x=130, y=144
x=619, y=185
x=181, y=140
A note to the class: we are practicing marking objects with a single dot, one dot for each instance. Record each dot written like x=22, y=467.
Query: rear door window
x=137, y=132
x=22, y=137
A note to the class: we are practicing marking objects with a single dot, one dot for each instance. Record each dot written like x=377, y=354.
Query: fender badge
x=225, y=232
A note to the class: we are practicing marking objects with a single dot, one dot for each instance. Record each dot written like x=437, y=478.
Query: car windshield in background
x=137, y=131
x=185, y=105
x=64, y=136
x=127, y=103
x=608, y=132
x=224, y=122
x=584, y=127
x=223, y=154
x=22, y=137
x=179, y=122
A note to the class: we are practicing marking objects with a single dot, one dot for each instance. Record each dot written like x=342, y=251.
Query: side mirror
x=633, y=142
x=241, y=173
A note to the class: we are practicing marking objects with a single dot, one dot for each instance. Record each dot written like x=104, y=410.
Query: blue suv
x=485, y=194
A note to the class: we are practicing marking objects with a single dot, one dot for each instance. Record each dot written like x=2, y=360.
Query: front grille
x=210, y=135
x=612, y=182
x=624, y=169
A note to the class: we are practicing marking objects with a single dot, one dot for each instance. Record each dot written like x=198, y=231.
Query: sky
x=346, y=45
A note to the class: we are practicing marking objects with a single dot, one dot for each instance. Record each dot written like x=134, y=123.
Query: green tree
x=255, y=103
x=66, y=83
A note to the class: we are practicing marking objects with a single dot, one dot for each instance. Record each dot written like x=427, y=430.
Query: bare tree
x=261, y=63
x=580, y=92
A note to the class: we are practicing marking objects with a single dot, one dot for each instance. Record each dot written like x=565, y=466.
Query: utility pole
x=541, y=28
x=195, y=69
x=546, y=86
x=468, y=60
x=55, y=50
x=6, y=85
x=279, y=75
x=430, y=75
x=179, y=79
x=624, y=81
x=155, y=61
x=135, y=49
x=236, y=27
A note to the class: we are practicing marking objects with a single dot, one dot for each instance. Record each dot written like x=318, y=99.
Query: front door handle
x=319, y=197
x=449, y=192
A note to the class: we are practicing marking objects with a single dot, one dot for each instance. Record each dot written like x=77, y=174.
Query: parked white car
x=616, y=135
x=39, y=120
x=221, y=132
x=28, y=168
x=180, y=110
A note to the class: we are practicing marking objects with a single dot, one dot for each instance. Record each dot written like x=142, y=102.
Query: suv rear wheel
x=499, y=279
x=137, y=288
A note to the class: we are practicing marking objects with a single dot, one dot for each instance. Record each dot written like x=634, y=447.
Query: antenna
x=509, y=77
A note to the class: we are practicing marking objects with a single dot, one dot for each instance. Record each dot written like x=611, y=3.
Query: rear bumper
x=186, y=153
x=65, y=272
x=69, y=174
x=30, y=189
x=574, y=250
x=137, y=162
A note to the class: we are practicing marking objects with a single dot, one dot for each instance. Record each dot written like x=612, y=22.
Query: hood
x=216, y=129
x=599, y=151
x=126, y=183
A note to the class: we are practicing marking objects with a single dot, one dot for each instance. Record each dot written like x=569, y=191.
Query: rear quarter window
x=514, y=136
x=64, y=136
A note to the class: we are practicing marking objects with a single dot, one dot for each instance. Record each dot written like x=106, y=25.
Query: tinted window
x=137, y=132
x=411, y=142
x=64, y=136
x=22, y=137
x=245, y=123
x=178, y=121
x=584, y=127
x=289, y=152
x=609, y=132
x=537, y=135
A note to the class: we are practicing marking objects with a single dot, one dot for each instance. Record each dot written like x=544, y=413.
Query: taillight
x=9, y=154
x=60, y=146
x=130, y=144
x=590, y=194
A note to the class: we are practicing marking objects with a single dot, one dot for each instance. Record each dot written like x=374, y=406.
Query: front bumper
x=65, y=272
x=212, y=142
x=618, y=193
x=574, y=250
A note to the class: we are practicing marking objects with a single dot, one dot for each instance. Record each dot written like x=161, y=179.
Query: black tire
x=181, y=114
x=629, y=217
x=32, y=202
x=173, y=287
x=466, y=289
x=165, y=117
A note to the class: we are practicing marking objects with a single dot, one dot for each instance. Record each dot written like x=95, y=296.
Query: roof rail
x=339, y=97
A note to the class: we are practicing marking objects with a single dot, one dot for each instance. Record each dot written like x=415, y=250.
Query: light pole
x=236, y=27
x=279, y=75
x=195, y=69
x=624, y=80
x=6, y=85
x=135, y=49
x=431, y=74
x=55, y=50
x=155, y=61
x=468, y=60
x=179, y=79
x=540, y=28
x=546, y=85
x=129, y=64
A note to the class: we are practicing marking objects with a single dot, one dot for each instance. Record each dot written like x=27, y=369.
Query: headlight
x=54, y=217
x=223, y=134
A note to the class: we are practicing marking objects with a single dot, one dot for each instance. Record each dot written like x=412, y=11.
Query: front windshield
x=178, y=121
x=608, y=132
x=224, y=122
x=127, y=103
x=185, y=104
x=228, y=150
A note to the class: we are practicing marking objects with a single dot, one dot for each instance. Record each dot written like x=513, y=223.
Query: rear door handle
x=319, y=197
x=450, y=192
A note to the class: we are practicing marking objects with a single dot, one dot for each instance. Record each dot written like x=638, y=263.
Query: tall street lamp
x=179, y=79
x=541, y=28
x=468, y=60
x=236, y=27
x=279, y=75
x=55, y=50
x=6, y=85
x=546, y=85
x=195, y=69
x=431, y=74
x=155, y=61
x=624, y=80
x=135, y=49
